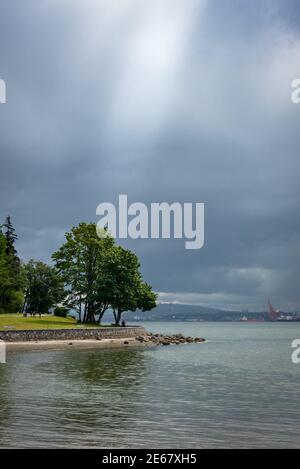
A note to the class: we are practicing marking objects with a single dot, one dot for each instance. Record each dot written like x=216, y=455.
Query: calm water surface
x=240, y=389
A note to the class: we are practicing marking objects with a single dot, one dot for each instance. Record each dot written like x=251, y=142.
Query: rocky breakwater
x=160, y=339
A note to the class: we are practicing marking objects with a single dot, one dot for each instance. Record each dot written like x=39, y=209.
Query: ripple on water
x=238, y=389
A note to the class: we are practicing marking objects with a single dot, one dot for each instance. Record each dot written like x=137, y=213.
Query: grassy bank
x=18, y=322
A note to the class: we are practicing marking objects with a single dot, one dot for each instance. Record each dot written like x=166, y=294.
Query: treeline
x=91, y=274
x=12, y=273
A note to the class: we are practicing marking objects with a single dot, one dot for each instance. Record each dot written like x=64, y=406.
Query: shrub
x=61, y=311
x=14, y=302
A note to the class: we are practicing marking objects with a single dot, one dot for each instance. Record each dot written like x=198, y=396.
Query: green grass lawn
x=17, y=321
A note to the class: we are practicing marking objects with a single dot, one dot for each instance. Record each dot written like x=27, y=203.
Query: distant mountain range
x=181, y=312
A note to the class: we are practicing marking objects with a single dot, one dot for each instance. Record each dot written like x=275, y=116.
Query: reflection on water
x=238, y=389
x=51, y=397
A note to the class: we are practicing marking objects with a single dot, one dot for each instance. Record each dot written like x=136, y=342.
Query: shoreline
x=77, y=344
x=96, y=334
x=148, y=339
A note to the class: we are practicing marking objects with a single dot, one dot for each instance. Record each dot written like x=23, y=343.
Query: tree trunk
x=79, y=312
x=118, y=318
x=24, y=305
x=85, y=311
x=90, y=316
x=115, y=317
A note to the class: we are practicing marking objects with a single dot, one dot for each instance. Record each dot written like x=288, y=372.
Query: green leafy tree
x=122, y=285
x=44, y=290
x=100, y=275
x=81, y=261
x=146, y=297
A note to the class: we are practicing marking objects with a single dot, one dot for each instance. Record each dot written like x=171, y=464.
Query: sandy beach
x=78, y=344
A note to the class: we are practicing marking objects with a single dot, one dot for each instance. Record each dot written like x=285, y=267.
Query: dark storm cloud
x=181, y=100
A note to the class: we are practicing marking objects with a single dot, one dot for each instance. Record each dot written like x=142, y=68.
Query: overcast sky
x=163, y=100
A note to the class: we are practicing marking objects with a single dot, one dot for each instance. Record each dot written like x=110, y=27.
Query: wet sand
x=78, y=344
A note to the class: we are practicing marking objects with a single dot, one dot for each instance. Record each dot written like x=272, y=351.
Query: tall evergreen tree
x=11, y=290
x=5, y=278
x=11, y=237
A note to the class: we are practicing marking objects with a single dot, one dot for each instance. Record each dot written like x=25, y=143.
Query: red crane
x=273, y=313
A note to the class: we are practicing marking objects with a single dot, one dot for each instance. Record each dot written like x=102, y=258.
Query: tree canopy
x=12, y=278
x=100, y=275
x=44, y=288
x=91, y=274
x=122, y=284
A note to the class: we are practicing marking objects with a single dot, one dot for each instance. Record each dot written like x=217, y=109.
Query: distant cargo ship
x=246, y=319
x=280, y=316
x=274, y=316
